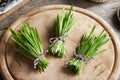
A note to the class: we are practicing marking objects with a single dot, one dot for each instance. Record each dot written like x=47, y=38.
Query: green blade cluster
x=88, y=47
x=29, y=44
x=64, y=26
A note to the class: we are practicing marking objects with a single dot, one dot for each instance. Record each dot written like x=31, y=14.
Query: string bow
x=55, y=39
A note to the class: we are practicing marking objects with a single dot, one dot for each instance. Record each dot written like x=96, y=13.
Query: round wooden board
x=44, y=20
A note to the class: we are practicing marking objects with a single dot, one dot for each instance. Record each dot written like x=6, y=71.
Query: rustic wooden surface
x=106, y=10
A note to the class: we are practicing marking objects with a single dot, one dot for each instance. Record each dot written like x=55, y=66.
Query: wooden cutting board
x=4, y=15
x=44, y=19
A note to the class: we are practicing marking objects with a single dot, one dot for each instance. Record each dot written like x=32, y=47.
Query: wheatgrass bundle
x=29, y=45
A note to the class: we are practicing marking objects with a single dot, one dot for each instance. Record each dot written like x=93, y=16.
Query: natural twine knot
x=36, y=61
x=55, y=39
x=78, y=56
x=81, y=57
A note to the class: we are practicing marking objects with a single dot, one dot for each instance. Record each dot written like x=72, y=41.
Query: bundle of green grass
x=29, y=45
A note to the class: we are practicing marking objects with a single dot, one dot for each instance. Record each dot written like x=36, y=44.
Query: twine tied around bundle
x=55, y=39
x=81, y=57
x=36, y=61
x=78, y=56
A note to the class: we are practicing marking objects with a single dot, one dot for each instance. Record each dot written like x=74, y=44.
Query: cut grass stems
x=99, y=64
x=64, y=25
x=88, y=49
x=29, y=44
x=100, y=73
x=18, y=61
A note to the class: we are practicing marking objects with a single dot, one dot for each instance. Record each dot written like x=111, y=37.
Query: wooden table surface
x=106, y=10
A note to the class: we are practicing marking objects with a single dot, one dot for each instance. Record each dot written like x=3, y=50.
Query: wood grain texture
x=38, y=18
